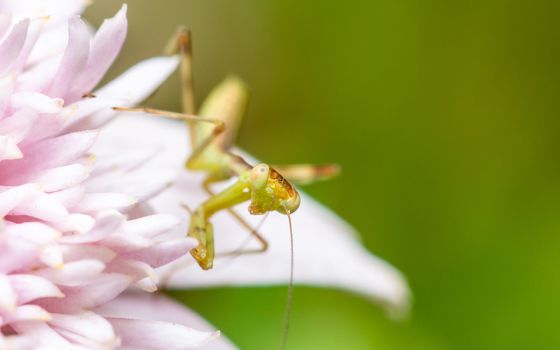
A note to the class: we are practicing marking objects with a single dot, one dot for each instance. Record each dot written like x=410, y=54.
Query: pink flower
x=90, y=210
x=70, y=244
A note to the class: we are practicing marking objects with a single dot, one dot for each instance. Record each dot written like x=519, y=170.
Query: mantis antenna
x=288, y=309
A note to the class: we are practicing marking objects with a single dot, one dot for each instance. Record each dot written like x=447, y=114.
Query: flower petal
x=160, y=308
x=46, y=154
x=99, y=291
x=327, y=252
x=104, y=49
x=138, y=82
x=42, y=8
x=153, y=335
x=29, y=288
x=85, y=328
x=28, y=313
x=8, y=297
x=12, y=45
x=74, y=60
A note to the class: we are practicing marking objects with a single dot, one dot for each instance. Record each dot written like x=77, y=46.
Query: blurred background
x=445, y=118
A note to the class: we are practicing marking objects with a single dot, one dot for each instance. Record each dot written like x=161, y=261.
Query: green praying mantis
x=213, y=129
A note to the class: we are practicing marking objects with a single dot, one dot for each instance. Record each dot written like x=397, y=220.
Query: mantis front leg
x=200, y=227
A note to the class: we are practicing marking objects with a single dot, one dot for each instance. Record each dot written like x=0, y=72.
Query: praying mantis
x=213, y=129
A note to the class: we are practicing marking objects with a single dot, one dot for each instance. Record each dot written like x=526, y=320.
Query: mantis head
x=271, y=191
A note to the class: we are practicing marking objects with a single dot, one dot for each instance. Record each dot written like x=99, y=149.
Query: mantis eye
x=259, y=176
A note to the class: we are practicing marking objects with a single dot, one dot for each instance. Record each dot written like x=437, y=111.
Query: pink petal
x=76, y=224
x=42, y=206
x=8, y=298
x=28, y=313
x=29, y=288
x=85, y=328
x=12, y=197
x=74, y=60
x=34, y=232
x=163, y=252
x=69, y=197
x=7, y=86
x=87, y=108
x=51, y=255
x=104, y=49
x=144, y=275
x=150, y=226
x=73, y=274
x=83, y=251
x=42, y=8
x=15, y=254
x=5, y=24
x=42, y=334
x=18, y=124
x=153, y=335
x=63, y=177
x=106, y=223
x=12, y=45
x=46, y=154
x=33, y=32
x=101, y=290
x=160, y=308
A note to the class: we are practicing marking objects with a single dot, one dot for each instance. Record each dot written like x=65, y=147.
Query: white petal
x=100, y=201
x=140, y=81
x=39, y=102
x=9, y=149
x=150, y=226
x=326, y=250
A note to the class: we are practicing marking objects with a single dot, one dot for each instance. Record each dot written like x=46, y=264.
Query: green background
x=445, y=118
